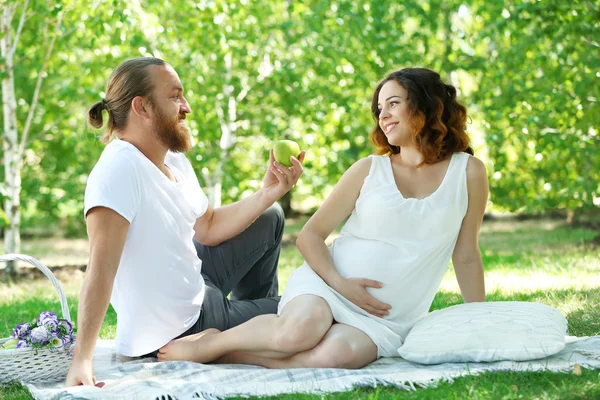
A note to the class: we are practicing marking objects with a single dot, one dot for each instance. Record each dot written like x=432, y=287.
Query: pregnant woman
x=412, y=207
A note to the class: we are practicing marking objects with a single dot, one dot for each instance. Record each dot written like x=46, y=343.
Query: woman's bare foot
x=199, y=348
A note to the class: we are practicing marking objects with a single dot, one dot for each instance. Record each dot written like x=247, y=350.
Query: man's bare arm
x=107, y=231
x=218, y=225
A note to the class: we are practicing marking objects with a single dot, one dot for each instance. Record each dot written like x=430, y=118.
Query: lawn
x=543, y=261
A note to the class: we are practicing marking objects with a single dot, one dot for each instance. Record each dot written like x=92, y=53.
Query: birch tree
x=15, y=140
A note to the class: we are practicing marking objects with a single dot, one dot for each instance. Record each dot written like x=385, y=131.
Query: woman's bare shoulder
x=476, y=169
x=361, y=167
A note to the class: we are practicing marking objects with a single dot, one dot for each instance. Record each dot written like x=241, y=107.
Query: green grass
x=539, y=261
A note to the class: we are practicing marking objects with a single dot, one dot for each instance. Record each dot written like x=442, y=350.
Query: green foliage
x=3, y=219
x=540, y=101
x=305, y=71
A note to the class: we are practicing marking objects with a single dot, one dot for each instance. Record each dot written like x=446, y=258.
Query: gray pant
x=245, y=267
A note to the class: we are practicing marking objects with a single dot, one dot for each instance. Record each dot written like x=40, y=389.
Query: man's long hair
x=131, y=79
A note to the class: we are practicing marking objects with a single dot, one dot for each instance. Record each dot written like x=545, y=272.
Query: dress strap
x=461, y=162
x=458, y=179
x=378, y=170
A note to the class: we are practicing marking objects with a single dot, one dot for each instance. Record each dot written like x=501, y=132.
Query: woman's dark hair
x=131, y=79
x=437, y=120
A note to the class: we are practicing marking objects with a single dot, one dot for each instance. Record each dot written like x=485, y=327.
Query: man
x=162, y=256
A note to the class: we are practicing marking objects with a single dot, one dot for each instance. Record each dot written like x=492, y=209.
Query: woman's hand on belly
x=355, y=290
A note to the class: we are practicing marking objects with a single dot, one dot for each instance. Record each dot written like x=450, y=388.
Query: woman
x=414, y=206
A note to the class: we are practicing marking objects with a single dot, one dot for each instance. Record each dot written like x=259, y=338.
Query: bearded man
x=159, y=253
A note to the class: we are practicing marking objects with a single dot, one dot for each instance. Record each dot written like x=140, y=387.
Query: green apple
x=284, y=149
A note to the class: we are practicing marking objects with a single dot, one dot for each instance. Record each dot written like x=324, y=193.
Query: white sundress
x=406, y=243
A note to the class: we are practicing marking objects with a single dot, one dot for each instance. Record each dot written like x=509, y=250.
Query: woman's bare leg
x=301, y=326
x=342, y=347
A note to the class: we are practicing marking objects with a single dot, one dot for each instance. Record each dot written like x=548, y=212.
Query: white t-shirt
x=158, y=289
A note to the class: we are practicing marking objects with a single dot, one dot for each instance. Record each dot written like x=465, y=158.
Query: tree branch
x=20, y=28
x=590, y=42
x=44, y=45
x=10, y=13
x=246, y=88
x=206, y=176
x=63, y=36
x=39, y=134
x=150, y=35
x=221, y=115
x=244, y=92
x=38, y=86
x=67, y=33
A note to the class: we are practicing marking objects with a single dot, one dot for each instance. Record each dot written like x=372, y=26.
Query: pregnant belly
x=359, y=258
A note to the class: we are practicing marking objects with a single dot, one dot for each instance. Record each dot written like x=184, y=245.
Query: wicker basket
x=24, y=364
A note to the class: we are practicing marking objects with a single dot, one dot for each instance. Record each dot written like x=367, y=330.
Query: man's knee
x=273, y=219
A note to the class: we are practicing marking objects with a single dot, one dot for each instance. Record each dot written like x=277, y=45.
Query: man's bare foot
x=199, y=348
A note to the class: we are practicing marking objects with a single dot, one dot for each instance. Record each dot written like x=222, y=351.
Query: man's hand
x=82, y=373
x=354, y=289
x=280, y=179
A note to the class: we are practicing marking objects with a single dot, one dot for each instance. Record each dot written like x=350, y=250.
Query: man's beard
x=174, y=135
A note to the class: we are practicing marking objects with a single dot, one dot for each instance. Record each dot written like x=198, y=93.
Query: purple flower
x=39, y=335
x=46, y=317
x=21, y=331
x=21, y=344
x=51, y=326
x=68, y=327
x=67, y=339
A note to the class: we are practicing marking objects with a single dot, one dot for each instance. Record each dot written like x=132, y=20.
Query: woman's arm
x=466, y=257
x=311, y=241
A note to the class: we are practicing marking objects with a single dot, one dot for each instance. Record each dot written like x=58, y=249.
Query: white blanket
x=147, y=379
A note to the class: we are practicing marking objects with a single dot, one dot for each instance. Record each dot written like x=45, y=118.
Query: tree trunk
x=227, y=120
x=225, y=144
x=214, y=193
x=12, y=158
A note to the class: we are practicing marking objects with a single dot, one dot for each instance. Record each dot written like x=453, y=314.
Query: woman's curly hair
x=437, y=120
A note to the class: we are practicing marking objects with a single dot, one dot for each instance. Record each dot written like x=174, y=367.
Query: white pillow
x=491, y=331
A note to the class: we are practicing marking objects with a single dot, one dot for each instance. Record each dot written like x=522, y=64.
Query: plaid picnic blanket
x=129, y=378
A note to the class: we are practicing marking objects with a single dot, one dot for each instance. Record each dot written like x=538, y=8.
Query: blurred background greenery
x=262, y=70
